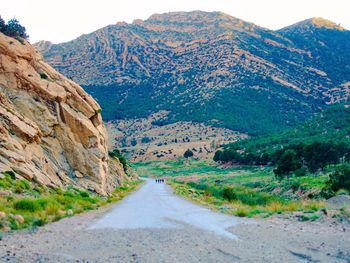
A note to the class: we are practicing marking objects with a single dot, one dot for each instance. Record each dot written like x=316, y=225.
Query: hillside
x=210, y=67
x=51, y=130
x=144, y=139
x=331, y=125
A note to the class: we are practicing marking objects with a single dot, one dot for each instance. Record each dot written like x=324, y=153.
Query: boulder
x=338, y=202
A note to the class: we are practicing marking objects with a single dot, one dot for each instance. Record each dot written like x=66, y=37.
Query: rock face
x=210, y=67
x=51, y=130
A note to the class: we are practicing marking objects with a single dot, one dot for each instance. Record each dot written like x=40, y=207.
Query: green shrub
x=39, y=189
x=39, y=222
x=13, y=29
x=6, y=183
x=241, y=212
x=14, y=225
x=338, y=180
x=10, y=174
x=84, y=194
x=43, y=76
x=145, y=139
x=229, y=194
x=188, y=153
x=22, y=185
x=116, y=154
x=289, y=162
x=27, y=204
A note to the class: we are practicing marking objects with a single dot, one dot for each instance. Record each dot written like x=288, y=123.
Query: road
x=154, y=225
x=155, y=206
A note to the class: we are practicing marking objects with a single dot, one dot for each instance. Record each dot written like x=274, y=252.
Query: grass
x=241, y=201
x=258, y=178
x=38, y=205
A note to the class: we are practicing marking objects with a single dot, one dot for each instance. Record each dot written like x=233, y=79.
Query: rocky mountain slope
x=210, y=67
x=51, y=130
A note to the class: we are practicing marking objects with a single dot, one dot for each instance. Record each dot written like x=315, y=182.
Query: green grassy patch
x=243, y=201
x=30, y=205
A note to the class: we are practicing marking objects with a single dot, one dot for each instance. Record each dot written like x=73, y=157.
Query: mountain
x=210, y=67
x=51, y=130
x=330, y=48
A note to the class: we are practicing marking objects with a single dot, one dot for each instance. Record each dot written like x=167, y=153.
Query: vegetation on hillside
x=117, y=154
x=240, y=109
x=339, y=182
x=13, y=28
x=310, y=147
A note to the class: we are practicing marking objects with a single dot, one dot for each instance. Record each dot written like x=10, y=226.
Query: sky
x=63, y=20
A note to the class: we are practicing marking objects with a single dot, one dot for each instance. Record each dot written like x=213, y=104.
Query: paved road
x=155, y=206
x=154, y=225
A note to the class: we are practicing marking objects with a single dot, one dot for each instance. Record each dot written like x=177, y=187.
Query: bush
x=26, y=204
x=84, y=194
x=39, y=222
x=116, y=154
x=22, y=185
x=288, y=162
x=10, y=174
x=241, y=212
x=188, y=154
x=43, y=76
x=229, y=194
x=133, y=142
x=13, y=28
x=145, y=140
x=338, y=180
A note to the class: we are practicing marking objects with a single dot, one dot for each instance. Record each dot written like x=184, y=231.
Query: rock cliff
x=51, y=130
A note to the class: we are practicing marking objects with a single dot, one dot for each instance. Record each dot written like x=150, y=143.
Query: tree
x=340, y=179
x=218, y=156
x=116, y=154
x=288, y=162
x=188, y=154
x=145, y=139
x=13, y=28
x=133, y=142
x=2, y=25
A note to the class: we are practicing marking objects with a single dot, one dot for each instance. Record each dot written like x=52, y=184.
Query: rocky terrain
x=51, y=130
x=144, y=139
x=210, y=67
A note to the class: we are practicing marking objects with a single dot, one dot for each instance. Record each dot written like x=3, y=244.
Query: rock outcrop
x=51, y=130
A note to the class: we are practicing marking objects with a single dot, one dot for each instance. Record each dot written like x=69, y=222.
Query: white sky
x=63, y=20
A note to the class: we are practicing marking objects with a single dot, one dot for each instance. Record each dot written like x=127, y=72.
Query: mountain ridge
x=205, y=58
